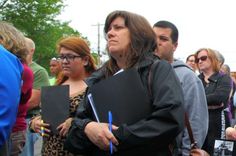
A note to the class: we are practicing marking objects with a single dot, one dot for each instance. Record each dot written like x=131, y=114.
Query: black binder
x=124, y=95
x=55, y=105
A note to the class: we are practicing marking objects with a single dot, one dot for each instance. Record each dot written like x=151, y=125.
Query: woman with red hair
x=77, y=64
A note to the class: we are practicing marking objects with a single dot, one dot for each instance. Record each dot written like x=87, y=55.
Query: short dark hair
x=167, y=24
x=190, y=56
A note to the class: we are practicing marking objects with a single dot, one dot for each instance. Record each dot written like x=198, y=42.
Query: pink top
x=26, y=90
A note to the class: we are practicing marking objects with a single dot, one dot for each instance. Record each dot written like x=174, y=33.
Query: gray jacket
x=195, y=106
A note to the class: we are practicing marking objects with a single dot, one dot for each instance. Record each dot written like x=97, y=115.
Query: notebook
x=55, y=105
x=124, y=95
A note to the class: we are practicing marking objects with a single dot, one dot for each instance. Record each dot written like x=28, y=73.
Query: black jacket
x=218, y=89
x=149, y=136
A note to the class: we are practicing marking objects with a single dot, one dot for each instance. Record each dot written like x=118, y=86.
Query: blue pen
x=110, y=128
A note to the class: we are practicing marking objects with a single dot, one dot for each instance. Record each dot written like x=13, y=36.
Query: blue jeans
x=31, y=138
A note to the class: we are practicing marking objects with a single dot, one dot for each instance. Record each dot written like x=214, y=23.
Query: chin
x=66, y=73
x=113, y=52
x=111, y=49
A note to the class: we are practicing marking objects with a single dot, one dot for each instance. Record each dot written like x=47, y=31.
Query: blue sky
x=201, y=23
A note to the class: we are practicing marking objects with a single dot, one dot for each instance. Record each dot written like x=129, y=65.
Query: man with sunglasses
x=194, y=98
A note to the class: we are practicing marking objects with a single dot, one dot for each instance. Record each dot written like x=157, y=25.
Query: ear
x=31, y=51
x=175, y=46
x=85, y=60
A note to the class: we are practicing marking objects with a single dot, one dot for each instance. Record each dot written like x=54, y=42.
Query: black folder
x=124, y=95
x=55, y=105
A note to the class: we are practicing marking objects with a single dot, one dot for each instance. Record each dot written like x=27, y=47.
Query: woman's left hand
x=100, y=135
x=231, y=133
x=64, y=127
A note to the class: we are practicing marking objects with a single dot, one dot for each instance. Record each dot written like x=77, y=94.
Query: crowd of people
x=200, y=88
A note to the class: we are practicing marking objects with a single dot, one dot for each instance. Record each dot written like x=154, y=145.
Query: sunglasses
x=202, y=58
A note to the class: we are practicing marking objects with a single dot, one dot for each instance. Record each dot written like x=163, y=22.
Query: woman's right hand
x=37, y=125
x=100, y=135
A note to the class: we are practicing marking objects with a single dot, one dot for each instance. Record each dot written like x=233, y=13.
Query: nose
x=110, y=33
x=64, y=60
x=158, y=42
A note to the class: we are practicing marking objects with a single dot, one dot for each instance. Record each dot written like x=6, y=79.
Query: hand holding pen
x=100, y=135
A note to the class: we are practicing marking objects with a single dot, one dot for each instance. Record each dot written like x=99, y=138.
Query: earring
x=86, y=63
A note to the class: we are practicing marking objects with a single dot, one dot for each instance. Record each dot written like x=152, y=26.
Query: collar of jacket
x=214, y=77
x=147, y=60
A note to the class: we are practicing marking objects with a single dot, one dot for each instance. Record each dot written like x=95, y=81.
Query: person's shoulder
x=37, y=68
x=26, y=67
x=36, y=65
x=178, y=64
x=220, y=76
x=5, y=53
x=184, y=71
x=155, y=64
x=95, y=76
x=9, y=60
x=160, y=62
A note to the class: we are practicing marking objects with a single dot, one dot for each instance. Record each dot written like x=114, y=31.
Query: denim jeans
x=31, y=138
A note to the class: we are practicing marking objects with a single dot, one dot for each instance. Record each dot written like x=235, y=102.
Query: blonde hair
x=13, y=40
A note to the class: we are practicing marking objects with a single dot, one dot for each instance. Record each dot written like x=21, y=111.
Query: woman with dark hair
x=77, y=64
x=190, y=61
x=217, y=88
x=130, y=45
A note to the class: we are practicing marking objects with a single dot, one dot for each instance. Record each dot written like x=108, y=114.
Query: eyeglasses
x=202, y=58
x=68, y=57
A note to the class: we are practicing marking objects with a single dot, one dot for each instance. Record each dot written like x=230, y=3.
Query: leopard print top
x=54, y=144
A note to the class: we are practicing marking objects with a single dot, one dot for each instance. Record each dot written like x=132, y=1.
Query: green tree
x=37, y=20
